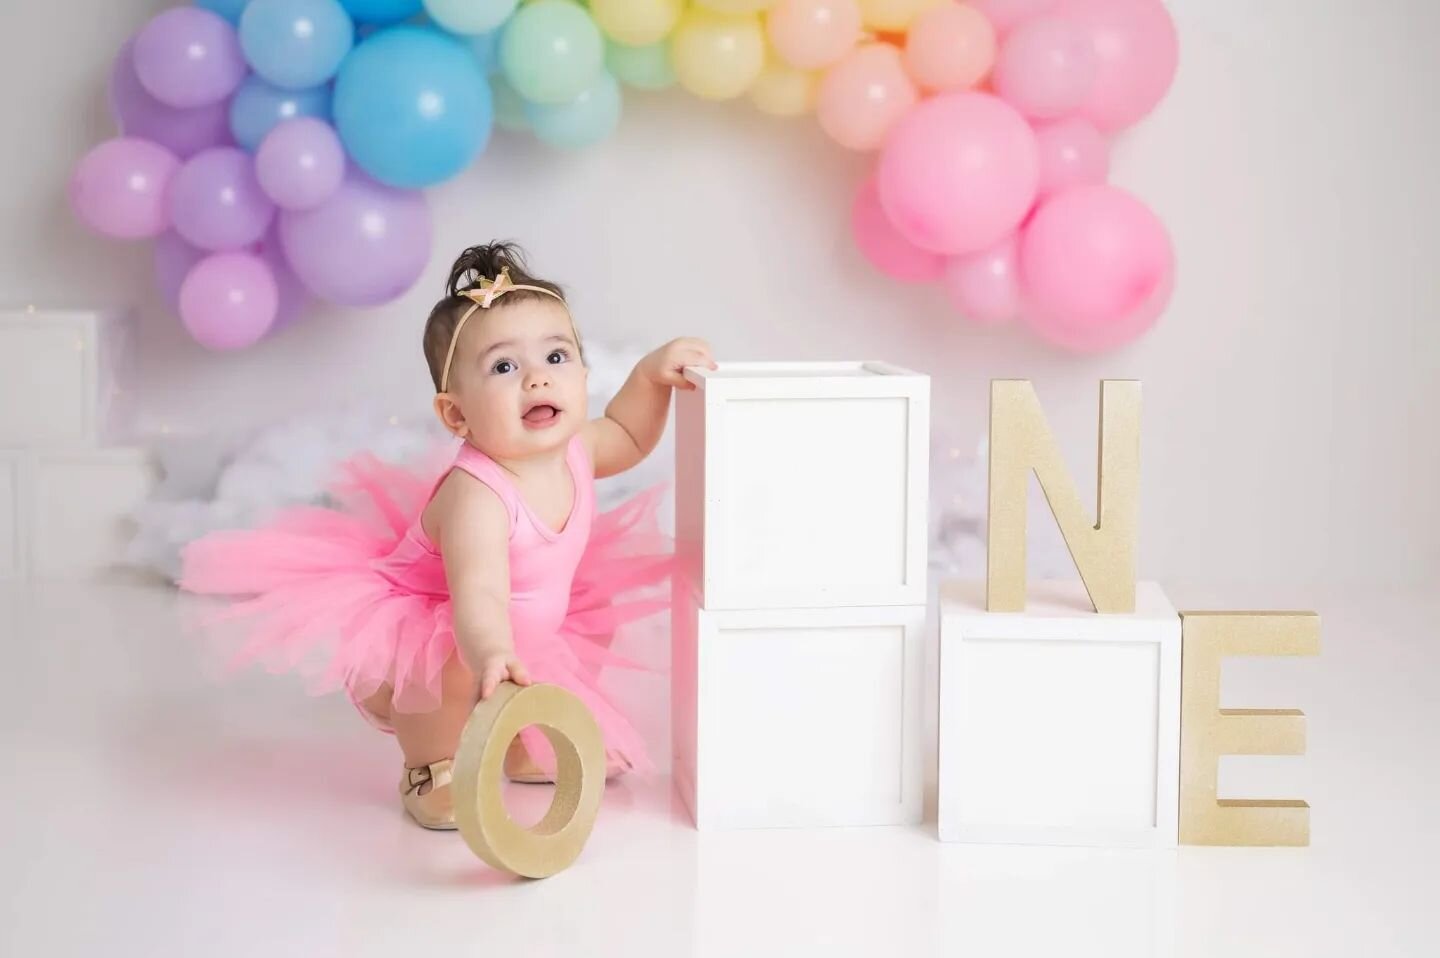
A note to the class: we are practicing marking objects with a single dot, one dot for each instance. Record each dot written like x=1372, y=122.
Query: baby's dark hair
x=470, y=267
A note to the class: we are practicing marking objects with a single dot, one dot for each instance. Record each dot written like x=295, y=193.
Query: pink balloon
x=188, y=57
x=891, y=253
x=216, y=202
x=863, y=95
x=1006, y=15
x=300, y=163
x=118, y=189
x=1047, y=67
x=985, y=286
x=1138, y=52
x=1094, y=261
x=228, y=301
x=949, y=47
x=174, y=258
x=138, y=114
x=1072, y=153
x=959, y=172
x=810, y=34
x=1120, y=331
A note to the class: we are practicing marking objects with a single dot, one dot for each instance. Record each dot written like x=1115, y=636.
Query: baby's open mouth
x=541, y=414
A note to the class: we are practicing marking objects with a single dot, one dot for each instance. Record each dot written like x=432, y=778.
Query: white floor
x=149, y=811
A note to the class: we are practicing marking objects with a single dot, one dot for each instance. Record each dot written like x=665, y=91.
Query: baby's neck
x=538, y=465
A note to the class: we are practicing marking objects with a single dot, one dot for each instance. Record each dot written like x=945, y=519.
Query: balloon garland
x=276, y=149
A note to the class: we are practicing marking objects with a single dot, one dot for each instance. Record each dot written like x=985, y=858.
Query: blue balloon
x=486, y=47
x=295, y=43
x=229, y=9
x=587, y=119
x=259, y=106
x=412, y=106
x=382, y=11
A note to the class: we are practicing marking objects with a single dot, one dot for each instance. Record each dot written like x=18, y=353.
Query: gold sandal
x=435, y=809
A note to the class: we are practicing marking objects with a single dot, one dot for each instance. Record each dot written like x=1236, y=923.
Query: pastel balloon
x=293, y=296
x=381, y=11
x=300, y=164
x=486, y=47
x=139, y=115
x=258, y=106
x=894, y=16
x=551, y=51
x=587, y=119
x=216, y=202
x=509, y=105
x=367, y=244
x=985, y=286
x=811, y=34
x=949, y=47
x=296, y=43
x=469, y=16
x=118, y=189
x=1047, y=67
x=1138, y=52
x=645, y=68
x=736, y=6
x=863, y=95
x=1006, y=15
x=882, y=244
x=1091, y=257
x=229, y=301
x=1072, y=153
x=173, y=258
x=636, y=22
x=784, y=90
x=188, y=57
x=959, y=172
x=1119, y=331
x=229, y=9
x=717, y=56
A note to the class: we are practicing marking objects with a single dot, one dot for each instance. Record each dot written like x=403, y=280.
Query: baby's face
x=518, y=379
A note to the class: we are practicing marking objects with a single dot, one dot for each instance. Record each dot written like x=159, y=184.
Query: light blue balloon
x=296, y=43
x=381, y=11
x=412, y=106
x=259, y=106
x=486, y=47
x=229, y=9
x=587, y=119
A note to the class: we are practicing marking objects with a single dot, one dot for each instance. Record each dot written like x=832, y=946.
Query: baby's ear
x=450, y=415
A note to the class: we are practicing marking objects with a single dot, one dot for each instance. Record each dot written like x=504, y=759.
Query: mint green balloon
x=551, y=51
x=509, y=105
x=469, y=16
x=646, y=68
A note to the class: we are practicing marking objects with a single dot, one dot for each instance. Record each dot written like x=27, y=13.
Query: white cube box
x=1059, y=726
x=797, y=717
x=803, y=485
x=59, y=372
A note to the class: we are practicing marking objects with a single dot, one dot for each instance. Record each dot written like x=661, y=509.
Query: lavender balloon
x=294, y=297
x=217, y=204
x=174, y=258
x=118, y=189
x=138, y=114
x=229, y=300
x=188, y=57
x=364, y=246
x=300, y=164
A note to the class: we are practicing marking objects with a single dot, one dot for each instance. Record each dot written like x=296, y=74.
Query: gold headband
x=483, y=297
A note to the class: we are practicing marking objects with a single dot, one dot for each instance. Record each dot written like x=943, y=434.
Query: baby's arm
x=635, y=419
x=472, y=531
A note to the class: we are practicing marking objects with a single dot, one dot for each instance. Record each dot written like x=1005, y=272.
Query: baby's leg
x=428, y=737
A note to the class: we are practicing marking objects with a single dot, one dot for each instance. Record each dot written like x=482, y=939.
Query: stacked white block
x=1059, y=726
x=797, y=648
x=65, y=495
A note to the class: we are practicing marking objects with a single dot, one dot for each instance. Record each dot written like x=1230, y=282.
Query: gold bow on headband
x=484, y=296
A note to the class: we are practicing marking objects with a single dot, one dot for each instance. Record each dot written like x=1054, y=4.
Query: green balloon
x=551, y=51
x=646, y=68
x=509, y=105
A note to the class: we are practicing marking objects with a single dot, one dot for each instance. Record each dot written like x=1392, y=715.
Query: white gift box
x=797, y=717
x=803, y=485
x=1059, y=726
x=59, y=371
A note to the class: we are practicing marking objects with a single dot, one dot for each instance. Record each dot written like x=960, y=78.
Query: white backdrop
x=1288, y=392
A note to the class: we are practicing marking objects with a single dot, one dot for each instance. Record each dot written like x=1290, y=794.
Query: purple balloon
x=189, y=57
x=364, y=246
x=229, y=300
x=300, y=164
x=294, y=297
x=118, y=189
x=217, y=204
x=174, y=258
x=138, y=114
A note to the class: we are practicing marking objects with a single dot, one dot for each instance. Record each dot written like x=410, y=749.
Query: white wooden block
x=803, y=485
x=58, y=375
x=1059, y=726
x=797, y=717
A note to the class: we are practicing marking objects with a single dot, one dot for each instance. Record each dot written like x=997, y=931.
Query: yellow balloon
x=737, y=6
x=894, y=15
x=717, y=56
x=783, y=90
x=637, y=23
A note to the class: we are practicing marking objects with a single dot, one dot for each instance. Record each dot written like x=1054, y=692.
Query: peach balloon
x=894, y=16
x=810, y=34
x=950, y=47
x=863, y=95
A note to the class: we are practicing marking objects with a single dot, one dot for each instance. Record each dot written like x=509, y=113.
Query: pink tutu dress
x=355, y=596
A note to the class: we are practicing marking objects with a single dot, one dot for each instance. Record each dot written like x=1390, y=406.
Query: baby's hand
x=666, y=365
x=493, y=666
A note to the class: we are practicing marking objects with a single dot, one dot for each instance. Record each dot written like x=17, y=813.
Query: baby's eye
x=503, y=366
x=557, y=357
